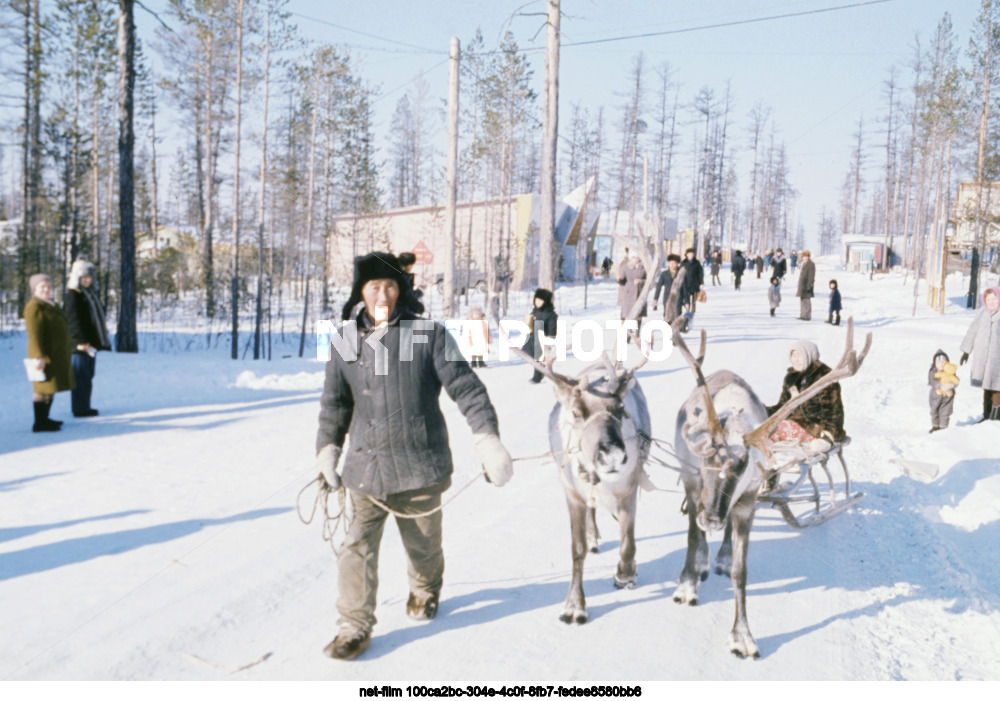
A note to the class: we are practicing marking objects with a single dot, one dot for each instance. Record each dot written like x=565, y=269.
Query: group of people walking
x=63, y=343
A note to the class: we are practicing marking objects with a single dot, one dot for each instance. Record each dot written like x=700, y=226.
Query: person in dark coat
x=759, y=264
x=982, y=340
x=819, y=423
x=49, y=350
x=406, y=261
x=694, y=281
x=774, y=294
x=382, y=391
x=544, y=323
x=738, y=265
x=715, y=267
x=665, y=282
x=835, y=305
x=807, y=280
x=793, y=259
x=942, y=396
x=779, y=265
x=85, y=315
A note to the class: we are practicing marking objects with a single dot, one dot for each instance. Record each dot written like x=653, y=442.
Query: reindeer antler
x=711, y=416
x=847, y=367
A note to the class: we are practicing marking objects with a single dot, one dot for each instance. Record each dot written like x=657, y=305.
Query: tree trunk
x=234, y=285
x=307, y=267
x=126, y=340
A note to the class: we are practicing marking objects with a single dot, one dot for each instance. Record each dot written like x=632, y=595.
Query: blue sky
x=818, y=72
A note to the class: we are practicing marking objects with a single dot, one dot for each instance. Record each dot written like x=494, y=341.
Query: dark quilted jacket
x=824, y=412
x=398, y=438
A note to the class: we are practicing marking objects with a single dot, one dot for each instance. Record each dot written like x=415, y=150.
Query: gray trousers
x=805, y=308
x=357, y=563
x=941, y=408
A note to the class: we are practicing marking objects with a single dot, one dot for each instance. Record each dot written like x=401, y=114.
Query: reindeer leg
x=696, y=562
x=741, y=642
x=724, y=560
x=575, y=608
x=625, y=575
x=593, y=536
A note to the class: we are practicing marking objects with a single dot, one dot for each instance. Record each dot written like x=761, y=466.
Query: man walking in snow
x=383, y=392
x=807, y=279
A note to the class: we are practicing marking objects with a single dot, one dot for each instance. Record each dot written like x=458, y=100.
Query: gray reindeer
x=599, y=431
x=722, y=444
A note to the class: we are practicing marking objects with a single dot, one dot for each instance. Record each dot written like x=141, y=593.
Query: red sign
x=422, y=253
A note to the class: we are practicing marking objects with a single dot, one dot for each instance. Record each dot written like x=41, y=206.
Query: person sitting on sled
x=818, y=423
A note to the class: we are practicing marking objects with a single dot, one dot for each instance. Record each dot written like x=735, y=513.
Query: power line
x=720, y=25
x=370, y=36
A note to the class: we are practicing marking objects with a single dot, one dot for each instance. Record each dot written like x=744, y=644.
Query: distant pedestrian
x=807, y=280
x=779, y=264
x=758, y=262
x=665, y=282
x=738, y=265
x=835, y=306
x=793, y=260
x=983, y=341
x=715, y=266
x=476, y=337
x=941, y=377
x=544, y=325
x=774, y=294
x=694, y=283
x=50, y=346
x=85, y=315
x=406, y=261
x=606, y=267
x=632, y=278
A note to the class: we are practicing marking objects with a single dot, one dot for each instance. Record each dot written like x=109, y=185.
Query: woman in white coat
x=982, y=341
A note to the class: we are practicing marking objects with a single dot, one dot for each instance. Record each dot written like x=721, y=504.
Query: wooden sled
x=802, y=487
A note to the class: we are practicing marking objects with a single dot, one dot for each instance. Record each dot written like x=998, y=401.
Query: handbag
x=702, y=296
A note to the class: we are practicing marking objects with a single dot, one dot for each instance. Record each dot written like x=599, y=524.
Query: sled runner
x=802, y=486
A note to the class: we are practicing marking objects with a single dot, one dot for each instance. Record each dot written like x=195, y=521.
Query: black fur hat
x=377, y=266
x=546, y=297
x=406, y=258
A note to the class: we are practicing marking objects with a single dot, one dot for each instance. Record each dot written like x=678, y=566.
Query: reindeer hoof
x=744, y=646
x=594, y=548
x=568, y=617
x=624, y=583
x=703, y=576
x=686, y=593
x=723, y=570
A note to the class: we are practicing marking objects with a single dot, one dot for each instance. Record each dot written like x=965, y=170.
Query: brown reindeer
x=722, y=443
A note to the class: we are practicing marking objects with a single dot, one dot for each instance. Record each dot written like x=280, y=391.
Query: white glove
x=496, y=460
x=326, y=466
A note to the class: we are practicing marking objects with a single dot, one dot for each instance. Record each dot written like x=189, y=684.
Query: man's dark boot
x=423, y=609
x=348, y=644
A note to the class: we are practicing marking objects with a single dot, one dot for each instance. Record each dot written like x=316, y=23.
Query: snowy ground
x=160, y=541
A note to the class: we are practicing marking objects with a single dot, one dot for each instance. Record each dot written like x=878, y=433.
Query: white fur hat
x=77, y=271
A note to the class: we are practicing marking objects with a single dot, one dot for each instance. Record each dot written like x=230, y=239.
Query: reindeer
x=599, y=432
x=722, y=444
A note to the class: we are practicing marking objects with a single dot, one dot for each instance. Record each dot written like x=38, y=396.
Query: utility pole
x=452, y=186
x=550, y=127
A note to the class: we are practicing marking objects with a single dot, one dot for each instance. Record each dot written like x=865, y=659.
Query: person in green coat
x=50, y=346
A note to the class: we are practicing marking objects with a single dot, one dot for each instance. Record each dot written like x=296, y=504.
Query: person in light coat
x=476, y=337
x=982, y=342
